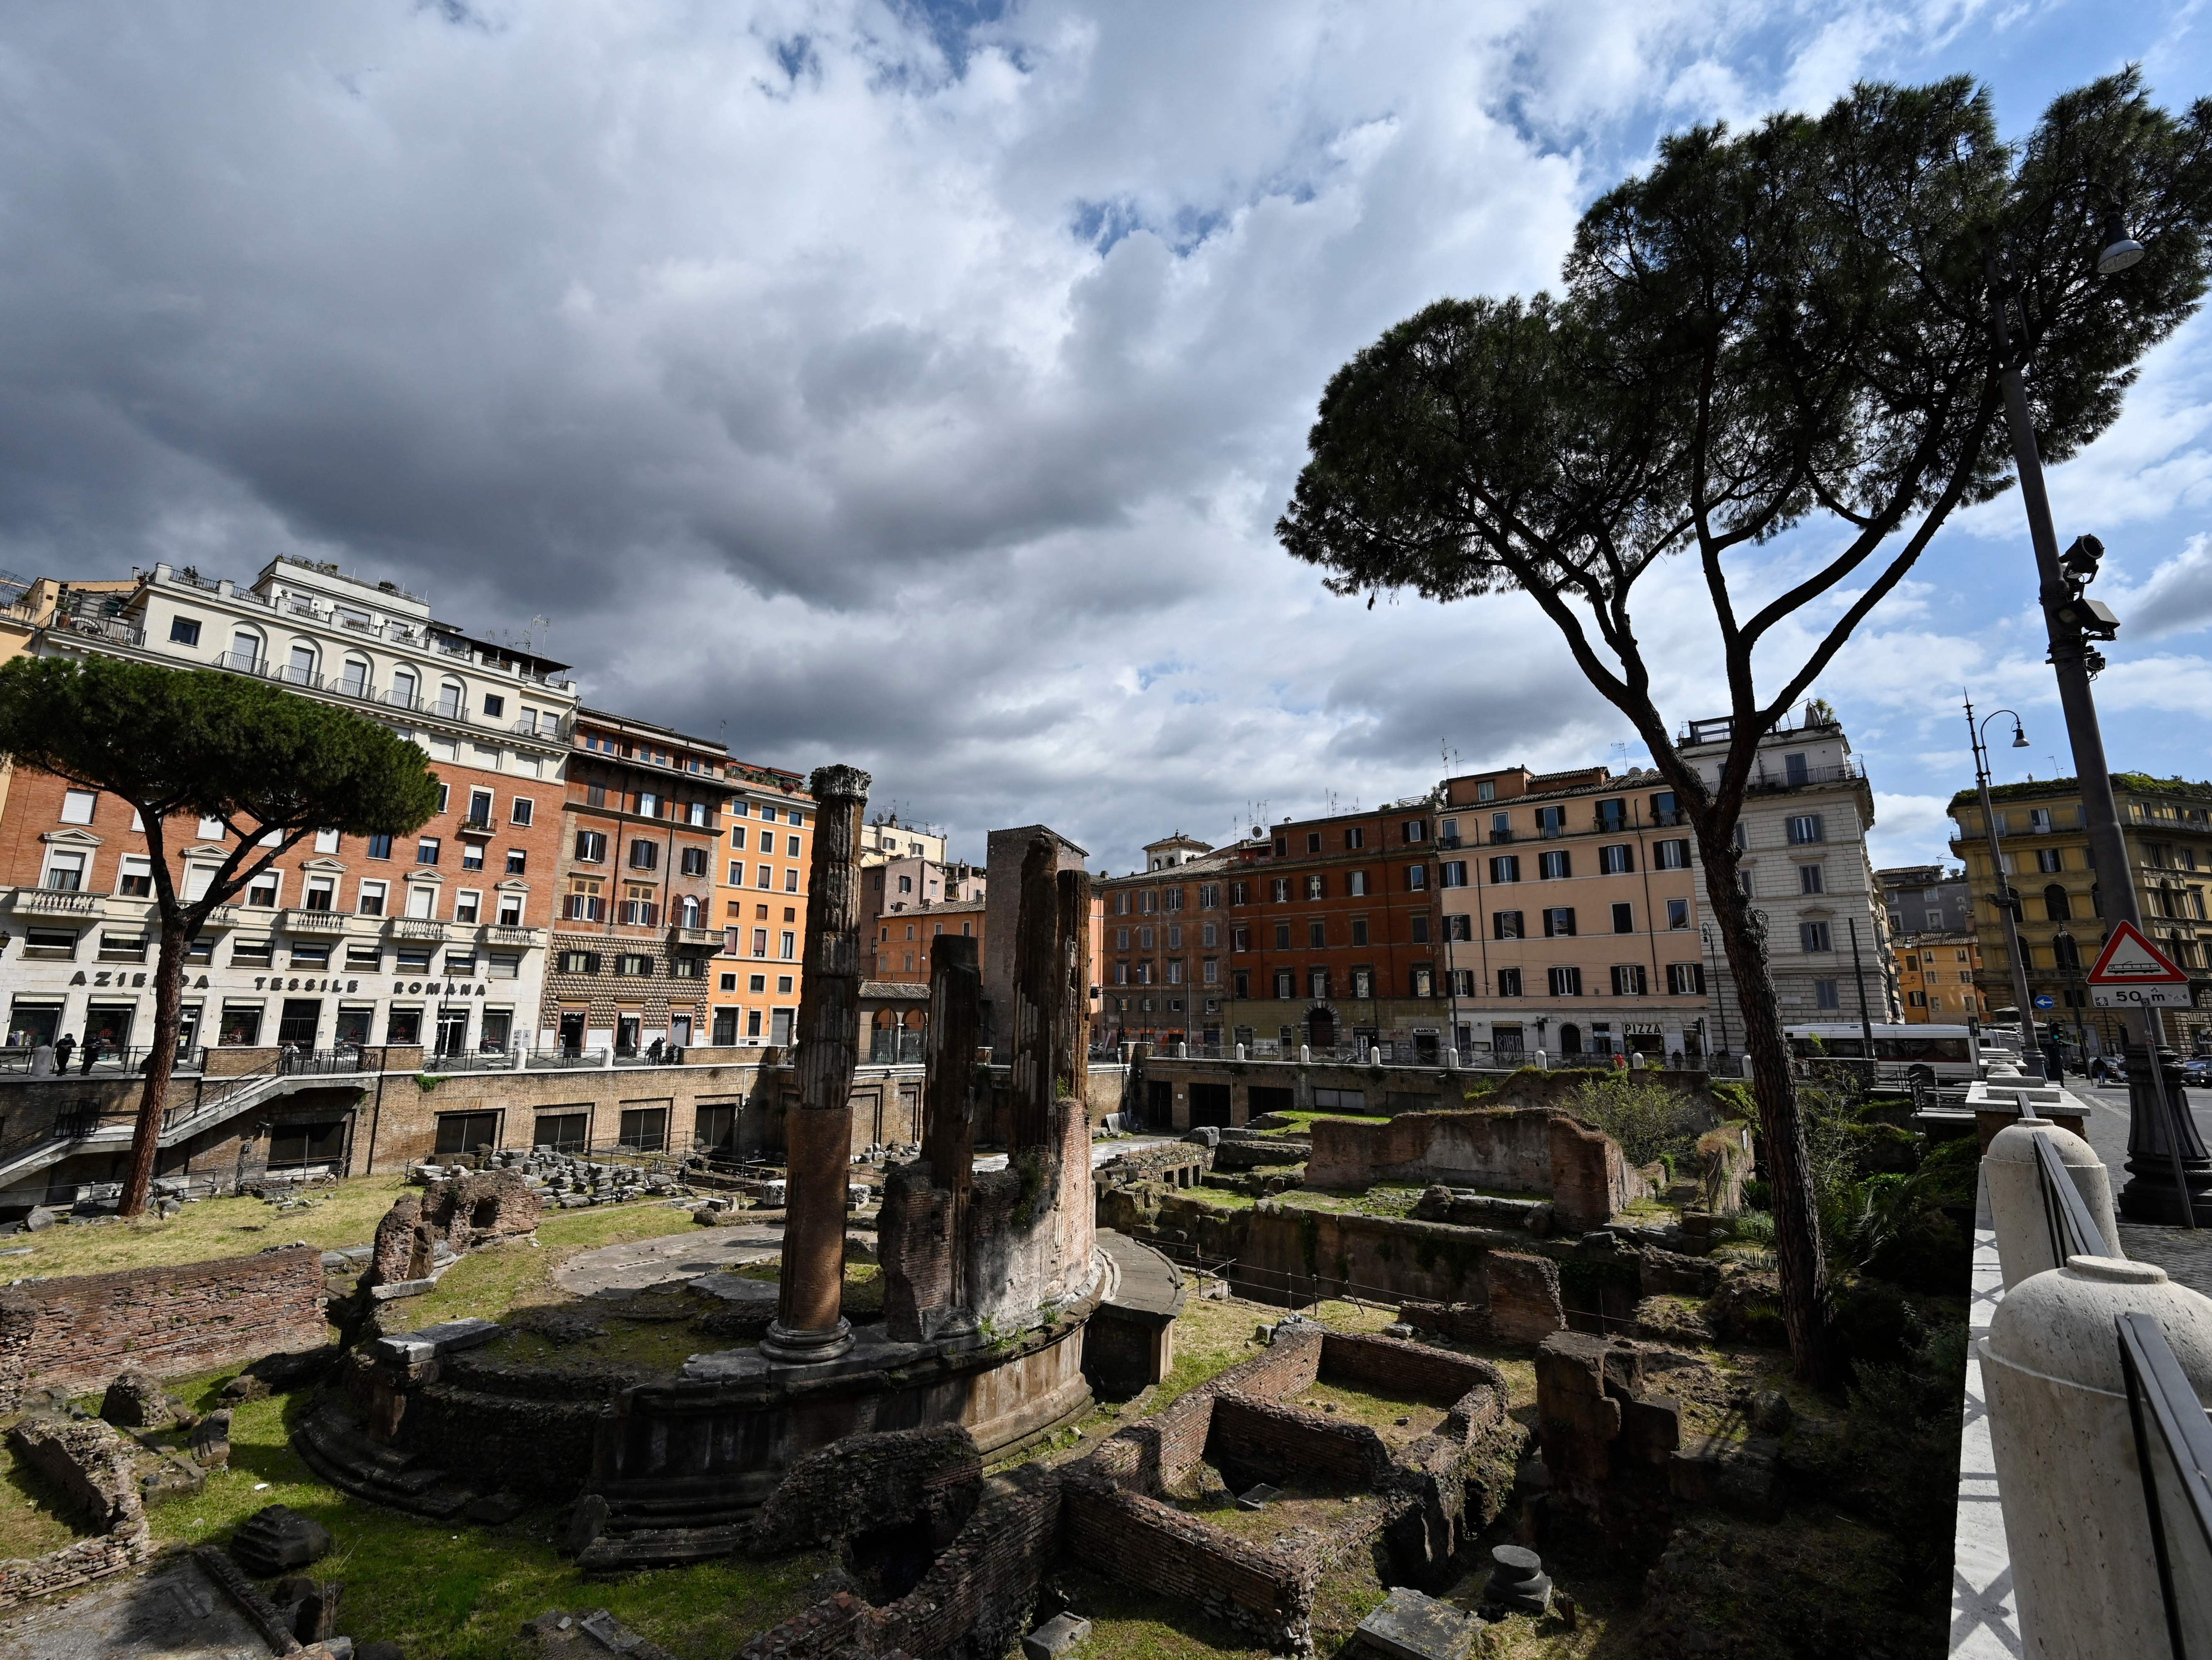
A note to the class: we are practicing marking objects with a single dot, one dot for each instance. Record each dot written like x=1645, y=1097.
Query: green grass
x=33, y=1519
x=1133, y=1624
x=337, y=1217
x=444, y=1591
x=1299, y=1124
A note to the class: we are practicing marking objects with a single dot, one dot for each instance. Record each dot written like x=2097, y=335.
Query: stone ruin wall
x=77, y=1333
x=92, y=1469
x=1517, y=1150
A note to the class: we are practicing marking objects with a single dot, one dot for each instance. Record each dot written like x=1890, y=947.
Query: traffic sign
x=2130, y=959
x=2133, y=973
x=2044, y=1000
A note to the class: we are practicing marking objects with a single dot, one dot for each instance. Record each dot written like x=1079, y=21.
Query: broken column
x=926, y=1202
x=810, y=1323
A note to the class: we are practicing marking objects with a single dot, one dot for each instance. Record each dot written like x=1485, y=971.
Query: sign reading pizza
x=2133, y=973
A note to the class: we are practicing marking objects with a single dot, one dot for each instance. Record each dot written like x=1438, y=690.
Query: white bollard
x=1240, y=1051
x=1182, y=1051
x=2082, y=1562
x=1305, y=1054
x=1375, y=1056
x=2016, y=1195
x=1451, y=1060
x=1540, y=1061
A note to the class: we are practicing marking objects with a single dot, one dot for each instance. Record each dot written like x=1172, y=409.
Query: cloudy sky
x=916, y=385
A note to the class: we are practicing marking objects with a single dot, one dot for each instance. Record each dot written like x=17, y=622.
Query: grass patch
x=1133, y=1624
x=448, y=1592
x=335, y=1217
x=1298, y=1125
x=517, y=1272
x=33, y=1518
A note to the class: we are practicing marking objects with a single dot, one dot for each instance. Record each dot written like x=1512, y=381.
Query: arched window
x=299, y=670
x=354, y=681
x=1570, y=1039
x=2065, y=952
x=405, y=688
x=687, y=913
x=244, y=653
x=449, y=698
x=2055, y=907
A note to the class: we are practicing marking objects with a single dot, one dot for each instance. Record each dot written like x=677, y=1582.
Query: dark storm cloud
x=900, y=382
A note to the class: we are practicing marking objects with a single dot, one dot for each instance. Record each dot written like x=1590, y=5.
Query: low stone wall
x=1437, y=1376
x=1264, y=1590
x=79, y=1332
x=1520, y=1150
x=90, y=1466
x=1260, y=1436
x=864, y=1482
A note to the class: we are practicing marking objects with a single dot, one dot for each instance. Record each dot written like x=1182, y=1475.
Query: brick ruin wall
x=90, y=1466
x=77, y=1333
x=863, y=1482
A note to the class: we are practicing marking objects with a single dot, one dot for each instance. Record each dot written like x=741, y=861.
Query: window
x=1624, y=918
x=426, y=850
x=1240, y=938
x=364, y=954
x=1508, y=982
x=1613, y=815
x=583, y=902
x=1505, y=867
x=1286, y=983
x=1811, y=879
x=1551, y=866
x=760, y=944
x=1458, y=925
x=352, y=677
x=1793, y=769
x=648, y=804
x=1567, y=983
x=768, y=811
x=1422, y=981
x=636, y=965
x=1317, y=935
x=1558, y=922
x=184, y=631
x=1505, y=925
x=790, y=946
x=1318, y=984
x=64, y=871
x=510, y=910
x=1420, y=927
x=76, y=806
x=694, y=861
x=2039, y=821
x=379, y=847
x=644, y=855
x=264, y=888
x=466, y=905
x=1551, y=821
x=1452, y=873
x=791, y=880
x=2047, y=859
x=422, y=902
x=1282, y=936
x=518, y=861
x=245, y=650
x=1677, y=913
x=322, y=893
x=416, y=959
x=791, y=847
x=1814, y=937
x=1628, y=980
x=1805, y=828
x=1674, y=853
x=2056, y=906
x=449, y=699
x=1415, y=830
x=763, y=877
x=1826, y=994
x=135, y=878
x=577, y=961
x=522, y=811
x=1686, y=979
x=1462, y=981
x=1501, y=826
x=1617, y=859
x=465, y=1132
x=1417, y=878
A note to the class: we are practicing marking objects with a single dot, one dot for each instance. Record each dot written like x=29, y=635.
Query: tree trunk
x=160, y=1062
x=1802, y=1268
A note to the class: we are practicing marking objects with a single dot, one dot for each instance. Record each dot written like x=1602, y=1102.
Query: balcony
x=1849, y=772
x=504, y=934
x=698, y=938
x=313, y=922
x=417, y=928
x=475, y=826
x=222, y=916
x=56, y=902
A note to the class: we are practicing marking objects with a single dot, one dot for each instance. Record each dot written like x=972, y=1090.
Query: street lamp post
x=1866, y=1023
x=1720, y=1003
x=2165, y=1153
x=2008, y=900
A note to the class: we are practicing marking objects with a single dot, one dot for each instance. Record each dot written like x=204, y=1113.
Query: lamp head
x=2082, y=559
x=2019, y=736
x=2121, y=250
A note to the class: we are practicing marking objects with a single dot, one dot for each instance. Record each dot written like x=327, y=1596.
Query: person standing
x=63, y=1050
x=92, y=1044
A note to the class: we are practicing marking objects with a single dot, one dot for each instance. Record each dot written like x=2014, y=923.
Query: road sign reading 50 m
x=2139, y=997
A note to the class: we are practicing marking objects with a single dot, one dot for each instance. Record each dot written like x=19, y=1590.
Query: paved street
x=2187, y=1258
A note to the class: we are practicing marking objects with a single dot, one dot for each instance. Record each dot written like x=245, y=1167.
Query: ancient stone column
x=948, y=1103
x=1039, y=974
x=810, y=1323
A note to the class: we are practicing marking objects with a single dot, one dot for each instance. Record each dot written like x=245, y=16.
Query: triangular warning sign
x=2130, y=959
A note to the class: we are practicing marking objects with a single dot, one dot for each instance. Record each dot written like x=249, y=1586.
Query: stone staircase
x=336, y=1448
x=658, y=1524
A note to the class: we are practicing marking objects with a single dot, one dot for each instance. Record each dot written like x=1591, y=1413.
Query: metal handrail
x=2161, y=1399
x=2073, y=1231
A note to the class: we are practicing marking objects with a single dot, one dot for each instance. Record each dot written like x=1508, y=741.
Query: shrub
x=1648, y=1118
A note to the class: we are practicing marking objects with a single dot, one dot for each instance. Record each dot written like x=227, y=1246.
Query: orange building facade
x=760, y=902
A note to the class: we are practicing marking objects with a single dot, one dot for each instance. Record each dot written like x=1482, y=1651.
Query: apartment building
x=1926, y=899
x=1571, y=915
x=1320, y=932
x=906, y=902
x=761, y=902
x=643, y=816
x=1938, y=975
x=438, y=938
x=1806, y=815
x=883, y=838
x=2044, y=842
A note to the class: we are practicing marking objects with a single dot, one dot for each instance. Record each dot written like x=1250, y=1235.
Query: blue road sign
x=2044, y=1000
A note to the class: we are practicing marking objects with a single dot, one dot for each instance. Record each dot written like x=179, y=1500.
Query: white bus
x=1953, y=1052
